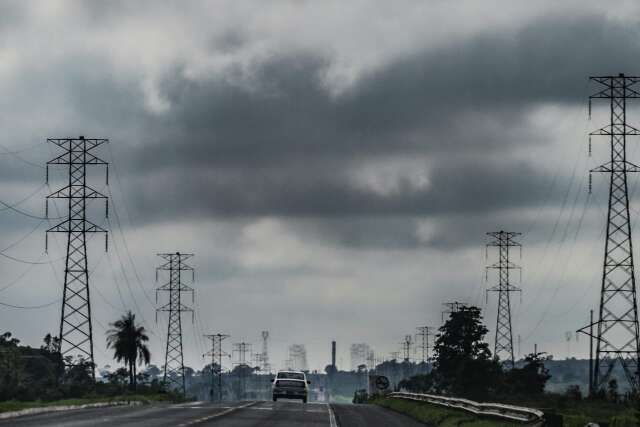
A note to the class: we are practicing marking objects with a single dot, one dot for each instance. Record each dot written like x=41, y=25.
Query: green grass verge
x=15, y=405
x=439, y=416
x=577, y=413
x=574, y=413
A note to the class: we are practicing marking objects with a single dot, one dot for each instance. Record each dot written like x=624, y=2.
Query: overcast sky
x=333, y=165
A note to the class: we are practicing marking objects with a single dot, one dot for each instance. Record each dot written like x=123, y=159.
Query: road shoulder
x=371, y=416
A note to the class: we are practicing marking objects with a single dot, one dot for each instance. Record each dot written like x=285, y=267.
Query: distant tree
x=463, y=363
x=128, y=342
x=573, y=392
x=530, y=379
x=10, y=366
x=153, y=371
x=612, y=390
x=188, y=372
x=330, y=370
x=51, y=344
x=119, y=377
x=79, y=372
x=422, y=383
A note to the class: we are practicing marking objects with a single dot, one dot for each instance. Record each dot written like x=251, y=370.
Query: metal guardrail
x=498, y=410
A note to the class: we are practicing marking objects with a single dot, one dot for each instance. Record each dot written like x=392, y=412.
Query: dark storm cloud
x=312, y=191
x=501, y=76
x=275, y=141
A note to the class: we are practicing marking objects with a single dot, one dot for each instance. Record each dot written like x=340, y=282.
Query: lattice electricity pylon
x=422, y=341
x=453, y=307
x=406, y=345
x=617, y=324
x=503, y=240
x=174, y=361
x=216, y=354
x=242, y=349
x=76, y=332
x=264, y=358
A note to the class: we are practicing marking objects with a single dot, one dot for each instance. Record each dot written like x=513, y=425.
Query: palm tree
x=128, y=343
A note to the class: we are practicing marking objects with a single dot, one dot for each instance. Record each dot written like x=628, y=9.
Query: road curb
x=45, y=409
x=332, y=416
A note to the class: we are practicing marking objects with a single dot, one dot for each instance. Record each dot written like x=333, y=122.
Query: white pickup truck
x=290, y=385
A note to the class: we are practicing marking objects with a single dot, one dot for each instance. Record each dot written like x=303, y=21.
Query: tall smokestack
x=333, y=354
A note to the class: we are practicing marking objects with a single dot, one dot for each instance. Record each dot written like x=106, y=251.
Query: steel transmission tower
x=617, y=323
x=216, y=354
x=406, y=344
x=174, y=362
x=422, y=337
x=264, y=357
x=298, y=355
x=241, y=349
x=76, y=333
x=503, y=240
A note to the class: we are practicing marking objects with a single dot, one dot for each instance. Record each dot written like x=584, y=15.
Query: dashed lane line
x=217, y=415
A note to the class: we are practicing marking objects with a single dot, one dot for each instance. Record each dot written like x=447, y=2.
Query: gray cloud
x=421, y=151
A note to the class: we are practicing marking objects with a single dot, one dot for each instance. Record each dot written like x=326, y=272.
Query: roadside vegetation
x=464, y=367
x=17, y=405
x=437, y=416
x=35, y=377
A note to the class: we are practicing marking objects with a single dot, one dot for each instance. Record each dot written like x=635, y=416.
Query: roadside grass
x=574, y=413
x=438, y=416
x=16, y=405
x=577, y=413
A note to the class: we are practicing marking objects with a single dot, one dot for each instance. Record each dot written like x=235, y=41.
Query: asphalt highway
x=237, y=414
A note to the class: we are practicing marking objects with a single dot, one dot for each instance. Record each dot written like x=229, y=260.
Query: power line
x=30, y=307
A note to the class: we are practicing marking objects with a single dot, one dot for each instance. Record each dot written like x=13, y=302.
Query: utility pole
x=216, y=354
x=264, y=357
x=333, y=356
x=241, y=349
x=174, y=361
x=453, y=307
x=424, y=332
x=76, y=332
x=503, y=240
x=617, y=332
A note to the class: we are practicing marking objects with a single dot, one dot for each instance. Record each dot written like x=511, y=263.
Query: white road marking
x=219, y=414
x=332, y=417
x=189, y=404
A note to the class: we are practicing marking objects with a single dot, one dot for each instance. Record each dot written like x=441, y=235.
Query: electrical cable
x=126, y=245
x=30, y=307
